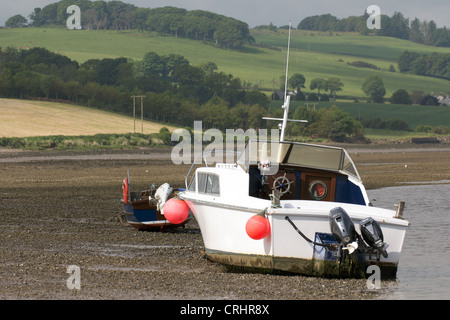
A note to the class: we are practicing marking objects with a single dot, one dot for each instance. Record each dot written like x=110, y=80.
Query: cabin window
x=208, y=184
x=318, y=190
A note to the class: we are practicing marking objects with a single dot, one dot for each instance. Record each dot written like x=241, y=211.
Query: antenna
x=287, y=62
x=287, y=99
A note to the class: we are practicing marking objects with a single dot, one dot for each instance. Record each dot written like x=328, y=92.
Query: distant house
x=446, y=100
x=280, y=94
x=443, y=100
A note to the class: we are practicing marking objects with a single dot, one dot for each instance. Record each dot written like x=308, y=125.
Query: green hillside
x=413, y=115
x=313, y=54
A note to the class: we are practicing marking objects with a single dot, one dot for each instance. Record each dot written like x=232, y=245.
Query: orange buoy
x=125, y=189
x=257, y=227
x=176, y=211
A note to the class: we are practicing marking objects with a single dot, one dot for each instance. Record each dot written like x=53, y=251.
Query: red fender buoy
x=257, y=227
x=176, y=211
x=125, y=189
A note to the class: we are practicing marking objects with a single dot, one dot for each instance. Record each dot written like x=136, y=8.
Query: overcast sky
x=279, y=12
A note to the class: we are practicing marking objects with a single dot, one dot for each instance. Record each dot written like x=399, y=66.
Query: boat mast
x=287, y=62
x=287, y=98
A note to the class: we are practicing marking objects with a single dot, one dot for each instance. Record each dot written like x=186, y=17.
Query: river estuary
x=424, y=271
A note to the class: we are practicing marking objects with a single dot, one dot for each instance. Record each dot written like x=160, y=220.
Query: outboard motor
x=343, y=229
x=373, y=236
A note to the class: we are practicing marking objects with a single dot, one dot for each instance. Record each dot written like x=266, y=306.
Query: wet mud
x=58, y=212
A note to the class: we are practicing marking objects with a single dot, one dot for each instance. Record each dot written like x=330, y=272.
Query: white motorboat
x=296, y=208
x=319, y=218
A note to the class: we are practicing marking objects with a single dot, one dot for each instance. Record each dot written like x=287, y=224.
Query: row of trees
x=434, y=65
x=328, y=22
x=116, y=15
x=174, y=89
x=225, y=31
x=198, y=24
x=392, y=124
x=374, y=88
x=401, y=96
x=297, y=81
x=425, y=32
x=332, y=123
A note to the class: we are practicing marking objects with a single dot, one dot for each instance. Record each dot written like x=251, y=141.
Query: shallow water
x=424, y=268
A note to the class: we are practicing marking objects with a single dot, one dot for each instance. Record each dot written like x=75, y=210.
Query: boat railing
x=203, y=155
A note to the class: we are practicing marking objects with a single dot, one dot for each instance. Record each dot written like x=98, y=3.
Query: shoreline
x=395, y=164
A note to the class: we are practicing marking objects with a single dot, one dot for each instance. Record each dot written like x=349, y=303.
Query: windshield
x=298, y=154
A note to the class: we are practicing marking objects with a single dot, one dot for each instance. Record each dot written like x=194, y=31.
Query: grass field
x=413, y=115
x=23, y=118
x=344, y=44
x=313, y=54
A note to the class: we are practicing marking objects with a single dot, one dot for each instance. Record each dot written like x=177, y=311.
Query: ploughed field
x=58, y=212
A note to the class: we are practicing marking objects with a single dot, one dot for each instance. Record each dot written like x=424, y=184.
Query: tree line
x=117, y=15
x=175, y=91
x=224, y=31
x=397, y=26
x=374, y=88
x=434, y=65
x=297, y=82
x=331, y=123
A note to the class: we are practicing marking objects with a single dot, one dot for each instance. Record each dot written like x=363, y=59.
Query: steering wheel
x=282, y=184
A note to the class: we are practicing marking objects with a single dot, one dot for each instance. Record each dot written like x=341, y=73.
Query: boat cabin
x=297, y=171
x=302, y=172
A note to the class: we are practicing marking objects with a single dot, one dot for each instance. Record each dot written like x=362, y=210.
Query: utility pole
x=134, y=114
x=142, y=112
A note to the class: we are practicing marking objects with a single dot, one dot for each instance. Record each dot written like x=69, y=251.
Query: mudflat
x=60, y=209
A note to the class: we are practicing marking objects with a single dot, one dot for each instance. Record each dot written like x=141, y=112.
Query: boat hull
x=284, y=250
x=146, y=217
x=309, y=267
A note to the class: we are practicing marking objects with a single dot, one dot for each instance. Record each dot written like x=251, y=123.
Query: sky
x=278, y=12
